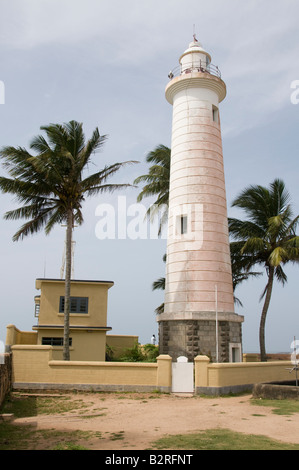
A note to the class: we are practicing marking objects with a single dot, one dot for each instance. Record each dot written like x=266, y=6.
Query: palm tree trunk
x=68, y=268
x=264, y=314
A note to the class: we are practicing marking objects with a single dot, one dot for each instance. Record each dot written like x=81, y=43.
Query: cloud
x=254, y=43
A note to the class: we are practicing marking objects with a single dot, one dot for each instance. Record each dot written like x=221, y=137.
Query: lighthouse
x=199, y=316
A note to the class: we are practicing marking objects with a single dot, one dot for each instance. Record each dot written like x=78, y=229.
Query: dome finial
x=194, y=34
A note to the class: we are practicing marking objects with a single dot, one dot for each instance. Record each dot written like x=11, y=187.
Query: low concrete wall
x=277, y=390
x=219, y=379
x=5, y=377
x=34, y=368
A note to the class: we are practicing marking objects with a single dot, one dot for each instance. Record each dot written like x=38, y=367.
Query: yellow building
x=88, y=317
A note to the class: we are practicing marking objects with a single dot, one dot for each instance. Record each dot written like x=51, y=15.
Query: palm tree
x=267, y=237
x=51, y=186
x=159, y=284
x=157, y=182
x=241, y=265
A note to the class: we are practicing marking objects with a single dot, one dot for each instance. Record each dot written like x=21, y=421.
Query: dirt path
x=134, y=421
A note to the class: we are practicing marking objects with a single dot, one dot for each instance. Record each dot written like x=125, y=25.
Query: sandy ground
x=140, y=419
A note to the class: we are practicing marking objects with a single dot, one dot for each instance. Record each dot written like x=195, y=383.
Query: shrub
x=140, y=353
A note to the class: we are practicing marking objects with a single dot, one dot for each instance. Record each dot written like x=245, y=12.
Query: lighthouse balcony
x=198, y=66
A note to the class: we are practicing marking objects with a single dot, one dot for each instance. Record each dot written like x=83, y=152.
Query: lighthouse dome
x=195, y=55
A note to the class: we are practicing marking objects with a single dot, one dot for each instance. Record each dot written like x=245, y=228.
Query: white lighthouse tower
x=198, y=315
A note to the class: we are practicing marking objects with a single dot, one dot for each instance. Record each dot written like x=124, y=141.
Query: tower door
x=183, y=376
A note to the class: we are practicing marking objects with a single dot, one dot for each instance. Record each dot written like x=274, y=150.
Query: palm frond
x=34, y=225
x=254, y=245
x=159, y=284
x=160, y=309
x=40, y=145
x=106, y=188
x=281, y=275
x=93, y=183
x=92, y=145
x=242, y=229
x=278, y=255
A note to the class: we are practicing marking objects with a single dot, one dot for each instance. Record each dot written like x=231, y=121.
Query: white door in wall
x=183, y=376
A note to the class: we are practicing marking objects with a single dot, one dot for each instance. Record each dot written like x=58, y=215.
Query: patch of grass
x=27, y=437
x=220, y=439
x=26, y=406
x=117, y=436
x=69, y=446
x=15, y=437
x=280, y=407
x=23, y=437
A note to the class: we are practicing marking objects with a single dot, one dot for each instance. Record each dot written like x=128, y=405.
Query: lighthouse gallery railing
x=200, y=67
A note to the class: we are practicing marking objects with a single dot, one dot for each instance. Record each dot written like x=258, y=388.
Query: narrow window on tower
x=183, y=224
x=215, y=114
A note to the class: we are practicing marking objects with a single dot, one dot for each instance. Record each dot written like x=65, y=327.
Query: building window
x=183, y=224
x=215, y=114
x=77, y=305
x=54, y=341
x=37, y=306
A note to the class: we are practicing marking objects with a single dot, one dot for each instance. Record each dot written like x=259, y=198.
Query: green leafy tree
x=267, y=237
x=52, y=185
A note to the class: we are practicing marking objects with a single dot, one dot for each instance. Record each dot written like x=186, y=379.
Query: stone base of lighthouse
x=197, y=336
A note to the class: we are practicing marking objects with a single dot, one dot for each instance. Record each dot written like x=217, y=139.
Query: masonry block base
x=191, y=338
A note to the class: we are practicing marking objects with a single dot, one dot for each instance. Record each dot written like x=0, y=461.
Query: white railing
x=201, y=66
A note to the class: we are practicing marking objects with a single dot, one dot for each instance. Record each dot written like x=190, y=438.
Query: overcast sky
x=105, y=63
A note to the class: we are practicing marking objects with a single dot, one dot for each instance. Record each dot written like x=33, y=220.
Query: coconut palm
x=52, y=185
x=241, y=268
x=157, y=182
x=267, y=237
x=159, y=284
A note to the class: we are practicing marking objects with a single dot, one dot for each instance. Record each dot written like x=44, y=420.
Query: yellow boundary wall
x=34, y=368
x=213, y=379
